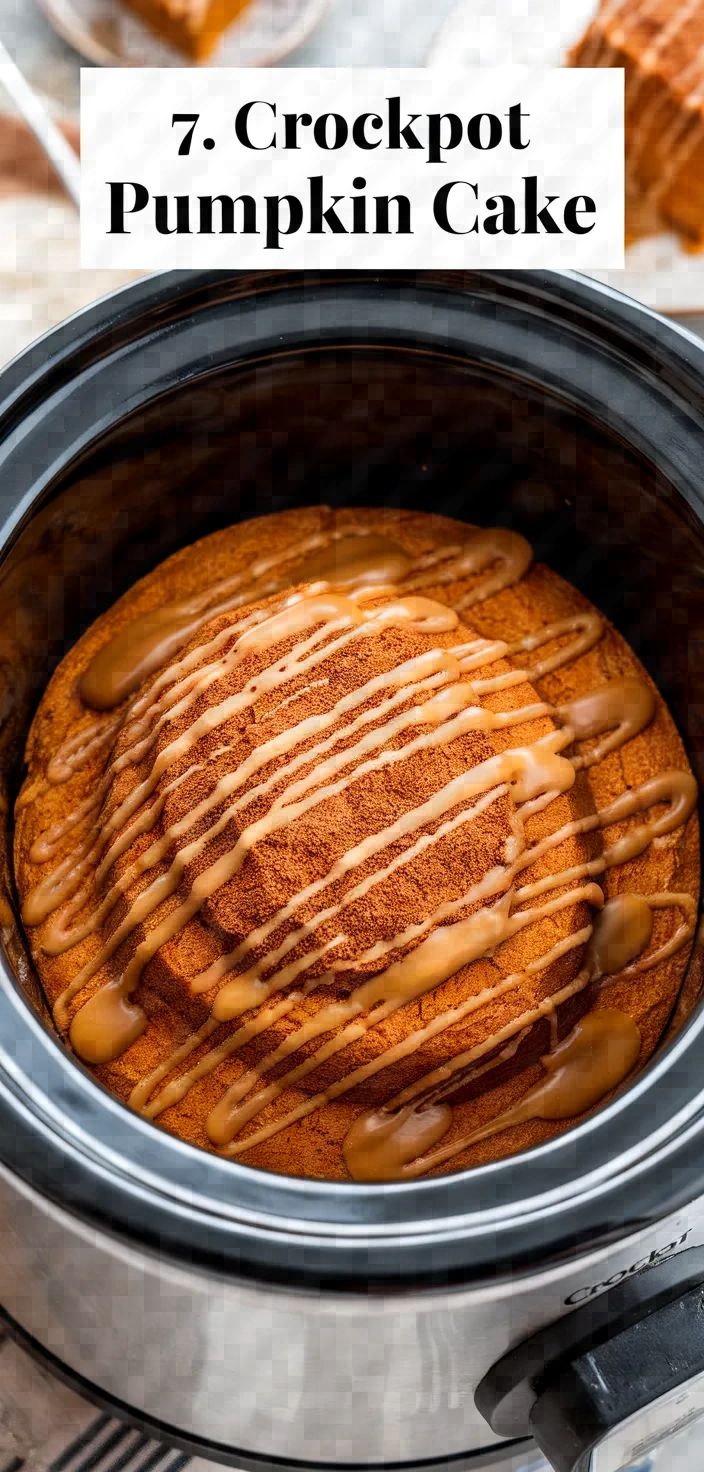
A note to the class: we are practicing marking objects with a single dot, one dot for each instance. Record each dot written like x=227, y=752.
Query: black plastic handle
x=573, y=1384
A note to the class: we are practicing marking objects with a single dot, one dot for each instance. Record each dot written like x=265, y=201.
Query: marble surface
x=368, y=33
x=353, y=33
x=48, y=64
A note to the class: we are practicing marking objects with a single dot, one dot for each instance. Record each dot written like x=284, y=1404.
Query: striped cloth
x=45, y=1427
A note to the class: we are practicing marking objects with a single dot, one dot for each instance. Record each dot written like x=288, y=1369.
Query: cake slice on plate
x=660, y=45
x=194, y=27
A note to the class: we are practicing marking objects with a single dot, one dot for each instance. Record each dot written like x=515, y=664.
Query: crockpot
x=273, y=1322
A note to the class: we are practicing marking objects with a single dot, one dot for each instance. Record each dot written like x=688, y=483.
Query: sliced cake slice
x=660, y=45
x=193, y=26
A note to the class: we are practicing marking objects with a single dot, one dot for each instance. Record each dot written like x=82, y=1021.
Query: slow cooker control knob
x=609, y=1387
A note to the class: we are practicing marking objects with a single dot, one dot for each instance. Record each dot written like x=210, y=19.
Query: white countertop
x=353, y=33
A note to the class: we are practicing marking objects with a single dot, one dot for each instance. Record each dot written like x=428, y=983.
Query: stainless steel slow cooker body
x=267, y=1320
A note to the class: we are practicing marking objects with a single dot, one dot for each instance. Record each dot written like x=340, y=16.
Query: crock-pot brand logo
x=581, y=1295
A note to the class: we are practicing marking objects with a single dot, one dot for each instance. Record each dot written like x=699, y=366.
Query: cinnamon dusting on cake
x=340, y=851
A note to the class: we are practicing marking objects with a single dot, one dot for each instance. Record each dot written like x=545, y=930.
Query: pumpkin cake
x=377, y=859
x=193, y=27
x=660, y=45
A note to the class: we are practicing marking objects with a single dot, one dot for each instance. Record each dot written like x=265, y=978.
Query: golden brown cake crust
x=660, y=46
x=286, y=859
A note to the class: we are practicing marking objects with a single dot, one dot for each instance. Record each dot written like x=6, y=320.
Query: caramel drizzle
x=598, y=44
x=182, y=695
x=597, y=48
x=45, y=847
x=154, y=708
x=66, y=879
x=679, y=142
x=595, y=1057
x=345, y=558
x=444, y=947
x=391, y=1143
x=105, y=1015
x=228, y=1118
x=235, y=997
x=143, y=646
x=430, y=672
x=534, y=774
x=318, y=1101
x=416, y=611
x=181, y=1086
x=676, y=789
x=601, y=713
x=680, y=792
x=649, y=119
x=666, y=34
x=490, y=545
x=446, y=950
x=616, y=940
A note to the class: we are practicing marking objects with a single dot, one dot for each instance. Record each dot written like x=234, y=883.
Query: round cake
x=357, y=845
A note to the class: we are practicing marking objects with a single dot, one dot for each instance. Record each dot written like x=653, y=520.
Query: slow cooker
x=268, y=1322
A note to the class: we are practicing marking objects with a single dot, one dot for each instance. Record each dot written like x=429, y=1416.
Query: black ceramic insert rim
x=632, y=1163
